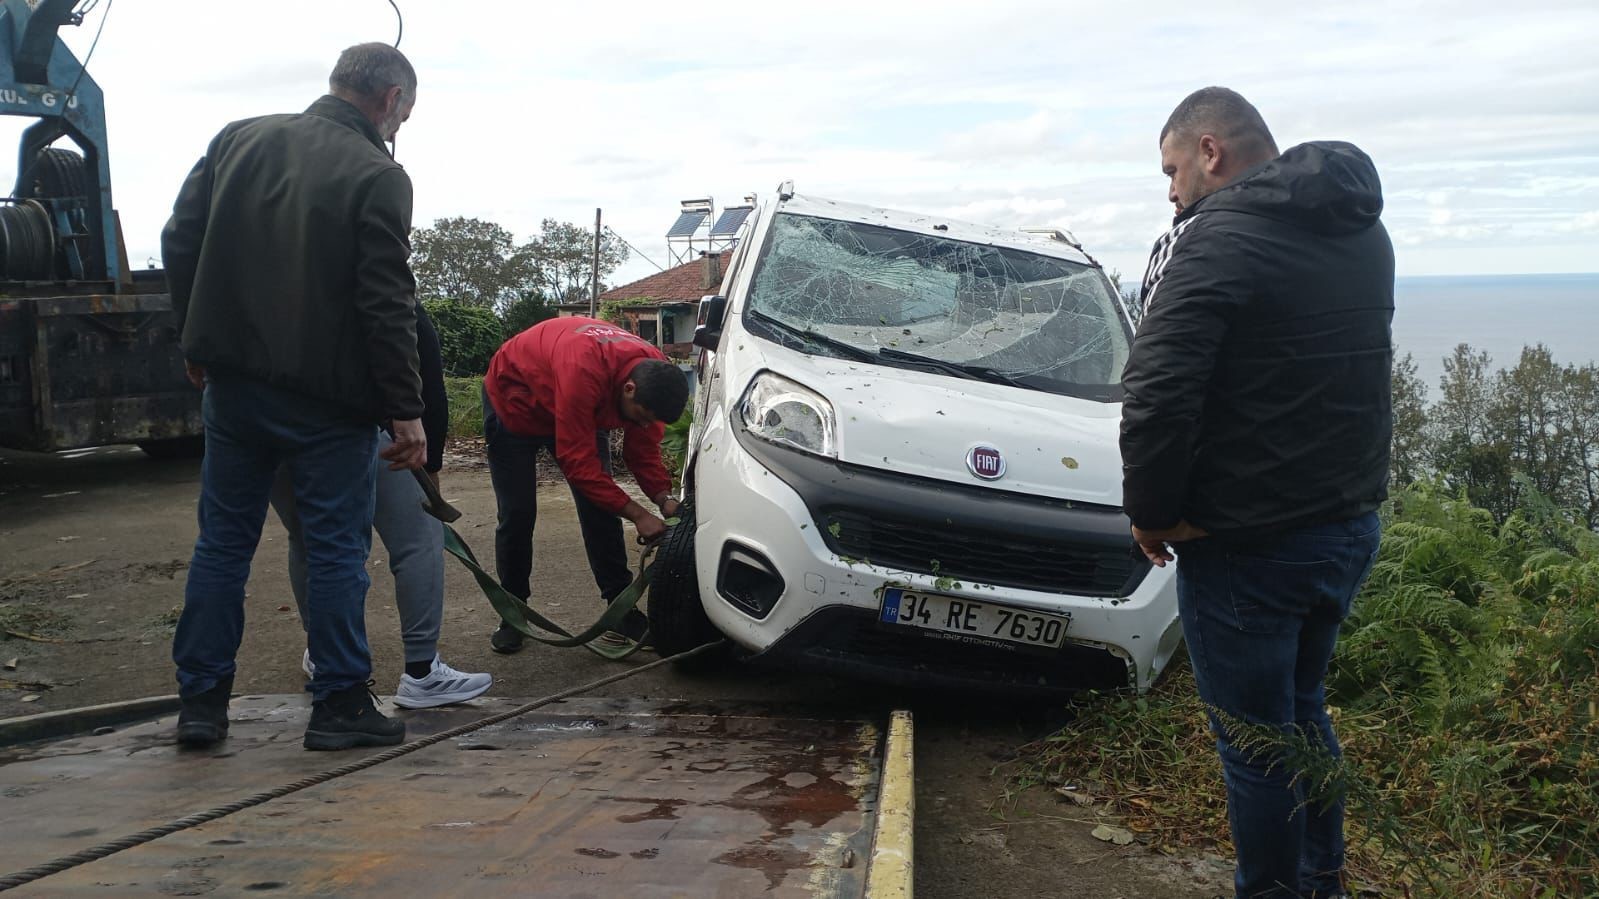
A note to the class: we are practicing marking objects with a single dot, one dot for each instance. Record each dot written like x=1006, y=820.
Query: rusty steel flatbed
x=586, y=797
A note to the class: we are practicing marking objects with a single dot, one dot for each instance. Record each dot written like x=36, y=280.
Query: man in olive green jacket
x=287, y=255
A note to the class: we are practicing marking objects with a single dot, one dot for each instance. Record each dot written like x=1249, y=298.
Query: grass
x=1465, y=693
x=168, y=620
x=466, y=406
x=32, y=619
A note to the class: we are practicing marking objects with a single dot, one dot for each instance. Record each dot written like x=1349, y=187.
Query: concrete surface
x=97, y=542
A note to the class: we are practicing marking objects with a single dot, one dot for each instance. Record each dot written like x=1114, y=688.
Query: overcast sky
x=1482, y=117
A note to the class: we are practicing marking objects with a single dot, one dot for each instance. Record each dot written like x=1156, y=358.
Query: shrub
x=1463, y=691
x=468, y=336
x=674, y=443
x=525, y=313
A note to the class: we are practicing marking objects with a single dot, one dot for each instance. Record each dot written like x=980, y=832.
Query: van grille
x=1003, y=560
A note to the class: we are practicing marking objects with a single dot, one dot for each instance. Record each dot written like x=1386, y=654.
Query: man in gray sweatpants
x=414, y=541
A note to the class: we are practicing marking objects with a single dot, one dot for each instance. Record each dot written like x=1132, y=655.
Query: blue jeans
x=251, y=428
x=1260, y=621
x=413, y=539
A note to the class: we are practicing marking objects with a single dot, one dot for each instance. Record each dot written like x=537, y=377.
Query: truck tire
x=174, y=448
x=677, y=615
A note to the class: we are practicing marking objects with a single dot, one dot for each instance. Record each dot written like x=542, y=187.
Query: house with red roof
x=663, y=307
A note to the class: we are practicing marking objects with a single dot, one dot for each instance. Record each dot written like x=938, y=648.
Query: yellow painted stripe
x=889, y=875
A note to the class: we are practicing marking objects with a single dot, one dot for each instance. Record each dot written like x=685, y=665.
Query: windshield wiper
x=842, y=348
x=958, y=369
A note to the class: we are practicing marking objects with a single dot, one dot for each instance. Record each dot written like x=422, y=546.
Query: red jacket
x=563, y=377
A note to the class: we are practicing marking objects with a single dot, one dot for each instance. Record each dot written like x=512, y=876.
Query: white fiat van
x=903, y=463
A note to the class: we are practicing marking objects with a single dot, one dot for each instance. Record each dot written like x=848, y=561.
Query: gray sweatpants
x=414, y=541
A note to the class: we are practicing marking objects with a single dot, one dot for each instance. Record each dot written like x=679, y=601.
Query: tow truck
x=89, y=350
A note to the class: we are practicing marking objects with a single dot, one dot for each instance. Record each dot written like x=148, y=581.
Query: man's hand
x=649, y=527
x=669, y=507
x=410, y=446
x=1154, y=543
x=196, y=374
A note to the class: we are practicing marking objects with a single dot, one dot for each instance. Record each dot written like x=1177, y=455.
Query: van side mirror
x=708, y=329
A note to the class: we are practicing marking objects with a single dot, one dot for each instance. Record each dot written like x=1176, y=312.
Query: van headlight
x=782, y=411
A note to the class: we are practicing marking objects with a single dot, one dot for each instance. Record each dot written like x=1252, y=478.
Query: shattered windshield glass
x=856, y=291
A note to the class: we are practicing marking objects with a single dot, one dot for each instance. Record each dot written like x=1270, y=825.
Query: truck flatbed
x=583, y=797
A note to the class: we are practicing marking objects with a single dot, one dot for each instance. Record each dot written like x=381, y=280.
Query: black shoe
x=506, y=640
x=349, y=718
x=635, y=626
x=204, y=718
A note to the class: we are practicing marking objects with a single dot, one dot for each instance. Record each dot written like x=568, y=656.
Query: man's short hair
x=370, y=69
x=661, y=388
x=1222, y=112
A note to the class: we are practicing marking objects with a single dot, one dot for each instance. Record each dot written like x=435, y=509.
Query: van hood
x=925, y=425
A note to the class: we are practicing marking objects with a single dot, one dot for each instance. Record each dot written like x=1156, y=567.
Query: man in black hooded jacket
x=1255, y=440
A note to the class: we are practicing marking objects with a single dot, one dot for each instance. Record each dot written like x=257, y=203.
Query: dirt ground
x=93, y=549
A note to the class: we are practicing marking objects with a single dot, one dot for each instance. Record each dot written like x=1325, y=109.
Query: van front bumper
x=794, y=551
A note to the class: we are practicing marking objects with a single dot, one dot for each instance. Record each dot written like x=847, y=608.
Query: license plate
x=969, y=618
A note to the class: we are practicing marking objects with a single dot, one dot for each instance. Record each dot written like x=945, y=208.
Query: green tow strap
x=520, y=615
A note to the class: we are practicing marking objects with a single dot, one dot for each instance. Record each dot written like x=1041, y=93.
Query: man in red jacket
x=562, y=385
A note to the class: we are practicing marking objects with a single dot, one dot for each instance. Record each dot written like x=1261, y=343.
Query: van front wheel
x=677, y=617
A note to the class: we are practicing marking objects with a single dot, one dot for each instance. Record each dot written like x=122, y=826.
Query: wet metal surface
x=584, y=798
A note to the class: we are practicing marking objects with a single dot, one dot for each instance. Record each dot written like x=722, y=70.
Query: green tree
x=1500, y=437
x=1466, y=388
x=1579, y=405
x=468, y=336
x=469, y=261
x=1465, y=447
x=1528, y=419
x=561, y=260
x=525, y=313
x=1410, y=422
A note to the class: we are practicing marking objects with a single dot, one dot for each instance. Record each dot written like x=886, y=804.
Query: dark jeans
x=251, y=428
x=512, y=469
x=1260, y=621
x=414, y=543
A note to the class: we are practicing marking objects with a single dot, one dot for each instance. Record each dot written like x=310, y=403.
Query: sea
x=1496, y=313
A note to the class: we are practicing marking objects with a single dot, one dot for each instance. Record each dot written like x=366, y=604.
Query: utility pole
x=594, y=276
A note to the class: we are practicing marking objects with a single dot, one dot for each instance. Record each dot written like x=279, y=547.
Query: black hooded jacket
x=1257, y=390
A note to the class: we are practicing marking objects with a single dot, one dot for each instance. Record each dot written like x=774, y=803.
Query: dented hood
x=925, y=425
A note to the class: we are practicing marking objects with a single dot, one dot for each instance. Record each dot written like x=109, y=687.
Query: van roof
x=933, y=226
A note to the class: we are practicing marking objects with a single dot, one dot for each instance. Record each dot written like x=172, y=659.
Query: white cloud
x=1479, y=116
x=1434, y=235
x=1586, y=223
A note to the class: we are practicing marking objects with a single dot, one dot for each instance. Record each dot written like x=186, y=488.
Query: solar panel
x=687, y=223
x=728, y=223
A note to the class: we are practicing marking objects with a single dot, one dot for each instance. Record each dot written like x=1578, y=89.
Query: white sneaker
x=306, y=666
x=442, y=686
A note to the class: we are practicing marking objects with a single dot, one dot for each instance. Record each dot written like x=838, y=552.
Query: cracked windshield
x=893, y=297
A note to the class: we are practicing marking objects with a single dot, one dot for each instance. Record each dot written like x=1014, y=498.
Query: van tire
x=677, y=615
